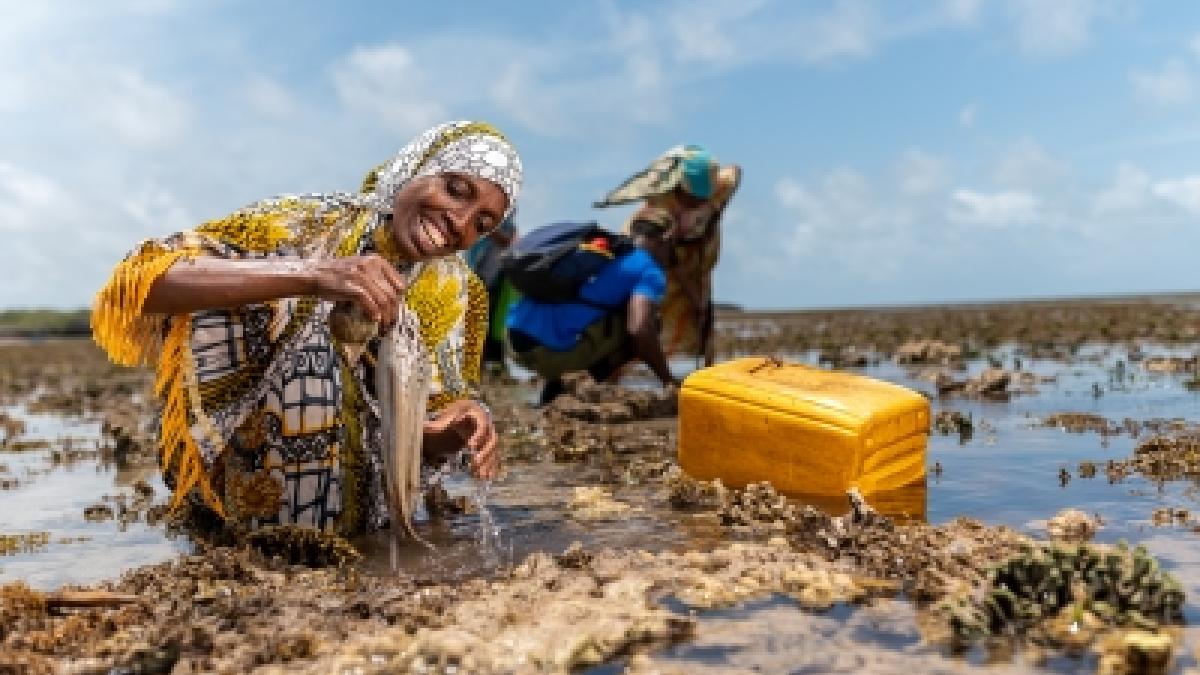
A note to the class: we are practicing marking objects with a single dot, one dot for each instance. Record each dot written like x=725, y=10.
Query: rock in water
x=1072, y=525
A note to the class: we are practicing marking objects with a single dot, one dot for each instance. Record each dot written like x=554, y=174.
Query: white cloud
x=548, y=102
x=849, y=192
x=1172, y=84
x=793, y=194
x=138, y=110
x=1027, y=164
x=702, y=33
x=152, y=6
x=725, y=34
x=53, y=248
x=386, y=83
x=155, y=210
x=877, y=233
x=614, y=77
x=746, y=256
x=269, y=98
x=1134, y=204
x=1183, y=192
x=552, y=88
x=994, y=209
x=966, y=116
x=638, y=78
x=27, y=198
x=919, y=172
x=850, y=30
x=963, y=11
x=1128, y=192
x=1053, y=27
x=118, y=99
x=16, y=90
x=845, y=218
x=843, y=200
x=512, y=92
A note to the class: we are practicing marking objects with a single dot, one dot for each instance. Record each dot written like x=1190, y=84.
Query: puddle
x=771, y=635
x=529, y=506
x=51, y=497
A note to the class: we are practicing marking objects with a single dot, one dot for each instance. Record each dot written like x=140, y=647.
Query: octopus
x=403, y=376
x=402, y=380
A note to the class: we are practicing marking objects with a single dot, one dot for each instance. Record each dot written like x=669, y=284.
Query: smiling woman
x=426, y=214
x=266, y=414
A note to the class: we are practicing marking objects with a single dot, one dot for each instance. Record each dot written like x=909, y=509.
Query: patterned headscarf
x=474, y=148
x=689, y=166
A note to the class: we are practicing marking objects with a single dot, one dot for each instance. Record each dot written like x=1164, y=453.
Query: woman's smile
x=437, y=215
x=432, y=238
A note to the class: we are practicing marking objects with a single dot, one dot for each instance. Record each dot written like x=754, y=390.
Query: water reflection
x=56, y=484
x=907, y=504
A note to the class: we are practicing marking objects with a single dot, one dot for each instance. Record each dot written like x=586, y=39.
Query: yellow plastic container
x=807, y=430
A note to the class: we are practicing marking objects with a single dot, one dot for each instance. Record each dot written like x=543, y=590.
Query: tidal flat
x=595, y=553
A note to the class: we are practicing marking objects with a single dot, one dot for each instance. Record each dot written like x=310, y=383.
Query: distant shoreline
x=22, y=324
x=44, y=323
x=1171, y=298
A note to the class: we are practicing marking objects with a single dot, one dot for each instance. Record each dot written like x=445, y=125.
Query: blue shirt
x=558, y=325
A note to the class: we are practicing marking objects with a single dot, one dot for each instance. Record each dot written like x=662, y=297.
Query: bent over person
x=611, y=320
x=268, y=416
x=685, y=190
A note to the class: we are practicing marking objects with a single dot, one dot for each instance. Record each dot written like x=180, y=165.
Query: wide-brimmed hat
x=688, y=166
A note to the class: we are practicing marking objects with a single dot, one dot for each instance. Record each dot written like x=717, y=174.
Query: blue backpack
x=551, y=263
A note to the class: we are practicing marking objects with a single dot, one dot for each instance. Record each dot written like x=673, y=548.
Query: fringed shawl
x=272, y=369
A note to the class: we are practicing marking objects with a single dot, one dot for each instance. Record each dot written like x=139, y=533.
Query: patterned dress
x=266, y=419
x=697, y=249
x=685, y=318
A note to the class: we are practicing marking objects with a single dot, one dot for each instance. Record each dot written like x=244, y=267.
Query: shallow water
x=1007, y=473
x=528, y=507
x=50, y=497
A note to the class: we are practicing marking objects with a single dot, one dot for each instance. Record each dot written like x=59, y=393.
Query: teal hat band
x=697, y=172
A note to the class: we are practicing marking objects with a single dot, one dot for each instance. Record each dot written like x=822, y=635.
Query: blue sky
x=893, y=151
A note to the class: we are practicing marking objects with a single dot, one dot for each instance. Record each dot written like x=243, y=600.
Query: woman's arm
x=217, y=283
x=642, y=325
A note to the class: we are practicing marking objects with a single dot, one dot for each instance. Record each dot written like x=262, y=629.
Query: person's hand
x=368, y=281
x=471, y=423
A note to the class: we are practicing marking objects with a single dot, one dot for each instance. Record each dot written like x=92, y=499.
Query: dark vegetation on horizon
x=33, y=323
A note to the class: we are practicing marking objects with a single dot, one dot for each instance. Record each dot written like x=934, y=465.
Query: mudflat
x=1054, y=530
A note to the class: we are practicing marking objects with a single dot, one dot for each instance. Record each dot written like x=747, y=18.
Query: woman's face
x=434, y=216
x=686, y=199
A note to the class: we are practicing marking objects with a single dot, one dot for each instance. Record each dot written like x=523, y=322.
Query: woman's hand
x=368, y=281
x=466, y=422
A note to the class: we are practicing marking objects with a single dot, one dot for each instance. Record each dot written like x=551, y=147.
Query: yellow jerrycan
x=807, y=430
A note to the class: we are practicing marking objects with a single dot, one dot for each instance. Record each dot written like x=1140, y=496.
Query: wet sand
x=600, y=475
